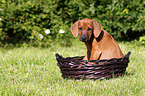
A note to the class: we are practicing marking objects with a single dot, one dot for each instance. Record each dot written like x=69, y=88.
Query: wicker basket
x=76, y=68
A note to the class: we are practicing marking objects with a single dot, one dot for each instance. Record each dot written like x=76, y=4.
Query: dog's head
x=85, y=28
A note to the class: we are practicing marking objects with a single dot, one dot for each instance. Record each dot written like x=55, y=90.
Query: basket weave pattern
x=76, y=68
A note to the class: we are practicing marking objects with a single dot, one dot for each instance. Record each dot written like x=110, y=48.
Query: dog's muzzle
x=84, y=38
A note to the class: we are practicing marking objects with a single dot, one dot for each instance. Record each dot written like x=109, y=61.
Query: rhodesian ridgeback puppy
x=100, y=44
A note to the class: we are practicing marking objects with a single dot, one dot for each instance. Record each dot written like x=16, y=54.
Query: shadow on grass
x=128, y=74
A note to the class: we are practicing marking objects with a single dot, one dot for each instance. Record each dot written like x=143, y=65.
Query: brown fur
x=100, y=44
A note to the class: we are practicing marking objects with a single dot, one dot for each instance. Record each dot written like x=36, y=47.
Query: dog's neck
x=89, y=46
x=90, y=42
x=98, y=39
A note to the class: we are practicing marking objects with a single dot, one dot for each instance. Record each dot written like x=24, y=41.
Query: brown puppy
x=99, y=43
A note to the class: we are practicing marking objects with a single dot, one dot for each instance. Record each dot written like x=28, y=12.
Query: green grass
x=34, y=71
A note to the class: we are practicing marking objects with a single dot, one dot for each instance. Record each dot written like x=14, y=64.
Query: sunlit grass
x=34, y=71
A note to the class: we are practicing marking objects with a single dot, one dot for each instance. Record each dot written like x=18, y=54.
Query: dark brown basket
x=76, y=68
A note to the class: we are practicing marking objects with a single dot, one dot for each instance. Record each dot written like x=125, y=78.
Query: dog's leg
x=95, y=52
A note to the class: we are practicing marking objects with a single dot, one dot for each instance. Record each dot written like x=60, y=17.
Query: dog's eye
x=89, y=29
x=80, y=28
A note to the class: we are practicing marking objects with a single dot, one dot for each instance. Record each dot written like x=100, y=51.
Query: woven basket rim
x=76, y=68
x=94, y=62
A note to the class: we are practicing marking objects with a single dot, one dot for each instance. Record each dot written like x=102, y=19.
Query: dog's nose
x=83, y=37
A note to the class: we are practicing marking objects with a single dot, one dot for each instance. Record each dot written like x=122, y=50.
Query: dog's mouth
x=84, y=38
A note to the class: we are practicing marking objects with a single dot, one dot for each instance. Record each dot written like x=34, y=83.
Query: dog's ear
x=97, y=28
x=74, y=29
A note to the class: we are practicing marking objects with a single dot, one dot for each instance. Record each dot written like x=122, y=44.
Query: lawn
x=34, y=71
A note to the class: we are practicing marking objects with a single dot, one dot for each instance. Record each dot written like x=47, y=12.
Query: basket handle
x=58, y=57
x=127, y=55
